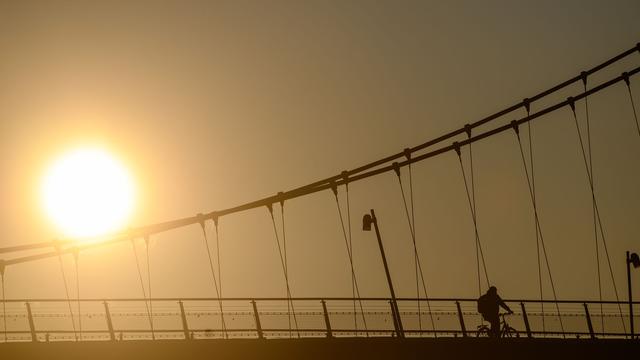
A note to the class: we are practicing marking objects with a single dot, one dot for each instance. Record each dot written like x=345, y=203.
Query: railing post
x=589, y=324
x=526, y=320
x=461, y=318
x=327, y=322
x=257, y=316
x=32, y=325
x=185, y=325
x=107, y=313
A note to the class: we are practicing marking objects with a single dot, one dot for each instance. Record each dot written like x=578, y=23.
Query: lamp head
x=366, y=222
x=634, y=260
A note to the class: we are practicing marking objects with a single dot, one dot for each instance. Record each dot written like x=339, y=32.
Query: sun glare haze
x=87, y=192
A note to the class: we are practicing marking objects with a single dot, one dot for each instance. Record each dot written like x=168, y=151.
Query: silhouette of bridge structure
x=365, y=318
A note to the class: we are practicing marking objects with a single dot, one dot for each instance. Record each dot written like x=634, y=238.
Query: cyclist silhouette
x=489, y=306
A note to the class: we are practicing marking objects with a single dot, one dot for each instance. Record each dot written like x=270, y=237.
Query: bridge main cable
x=302, y=191
x=161, y=227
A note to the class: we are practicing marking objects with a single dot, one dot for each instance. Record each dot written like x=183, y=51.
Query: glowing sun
x=87, y=192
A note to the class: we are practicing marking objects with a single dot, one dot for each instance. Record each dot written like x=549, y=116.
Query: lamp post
x=635, y=260
x=367, y=220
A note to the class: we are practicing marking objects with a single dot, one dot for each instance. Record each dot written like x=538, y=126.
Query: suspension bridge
x=379, y=326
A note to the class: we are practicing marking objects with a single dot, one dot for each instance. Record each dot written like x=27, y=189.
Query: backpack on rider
x=484, y=305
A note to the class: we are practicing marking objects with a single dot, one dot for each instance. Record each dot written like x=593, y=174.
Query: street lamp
x=632, y=259
x=367, y=220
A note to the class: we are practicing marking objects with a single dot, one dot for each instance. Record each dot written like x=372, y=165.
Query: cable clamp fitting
x=215, y=217
x=281, y=197
x=407, y=153
x=334, y=188
x=396, y=168
x=201, y=220
x=625, y=77
x=572, y=103
x=456, y=147
x=270, y=208
x=527, y=104
x=467, y=129
x=583, y=76
x=3, y=266
x=345, y=176
x=516, y=128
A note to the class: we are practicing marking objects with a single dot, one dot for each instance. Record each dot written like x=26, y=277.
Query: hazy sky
x=213, y=104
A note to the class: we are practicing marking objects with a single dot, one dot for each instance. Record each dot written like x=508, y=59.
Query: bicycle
x=506, y=331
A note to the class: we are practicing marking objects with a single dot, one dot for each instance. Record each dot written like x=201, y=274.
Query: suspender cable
x=473, y=200
x=144, y=294
x=633, y=104
x=215, y=223
x=213, y=276
x=66, y=289
x=527, y=106
x=286, y=262
x=286, y=266
x=537, y=219
x=290, y=307
x=412, y=226
x=595, y=205
x=75, y=260
x=146, y=247
x=349, y=245
x=354, y=280
x=468, y=130
x=353, y=275
x=473, y=215
x=416, y=257
x=4, y=304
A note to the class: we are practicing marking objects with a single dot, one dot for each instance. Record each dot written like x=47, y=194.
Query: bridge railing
x=202, y=318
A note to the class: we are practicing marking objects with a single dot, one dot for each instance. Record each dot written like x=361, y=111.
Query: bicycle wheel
x=483, y=331
x=510, y=332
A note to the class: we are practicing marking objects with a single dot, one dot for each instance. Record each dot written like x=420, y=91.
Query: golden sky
x=213, y=104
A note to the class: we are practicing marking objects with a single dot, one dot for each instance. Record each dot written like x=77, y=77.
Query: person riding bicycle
x=489, y=306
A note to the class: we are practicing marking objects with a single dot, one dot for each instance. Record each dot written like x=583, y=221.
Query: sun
x=88, y=193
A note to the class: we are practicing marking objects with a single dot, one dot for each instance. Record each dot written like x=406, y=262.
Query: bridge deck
x=337, y=348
